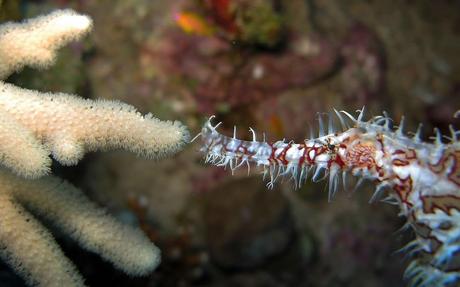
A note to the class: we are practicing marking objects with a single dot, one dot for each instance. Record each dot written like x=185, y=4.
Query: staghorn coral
x=421, y=178
x=34, y=125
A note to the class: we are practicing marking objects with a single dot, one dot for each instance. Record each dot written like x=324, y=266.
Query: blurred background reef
x=271, y=65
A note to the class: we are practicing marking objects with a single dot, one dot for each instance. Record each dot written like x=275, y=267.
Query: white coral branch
x=35, y=41
x=34, y=125
x=69, y=126
x=30, y=249
x=71, y=211
x=20, y=151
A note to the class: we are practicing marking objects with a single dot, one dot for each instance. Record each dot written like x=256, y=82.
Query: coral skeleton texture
x=422, y=178
x=34, y=125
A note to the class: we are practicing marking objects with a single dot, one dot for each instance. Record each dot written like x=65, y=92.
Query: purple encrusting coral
x=219, y=74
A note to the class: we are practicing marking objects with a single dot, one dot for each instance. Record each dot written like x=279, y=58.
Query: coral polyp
x=422, y=178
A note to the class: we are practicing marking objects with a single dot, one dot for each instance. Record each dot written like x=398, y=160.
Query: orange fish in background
x=192, y=23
